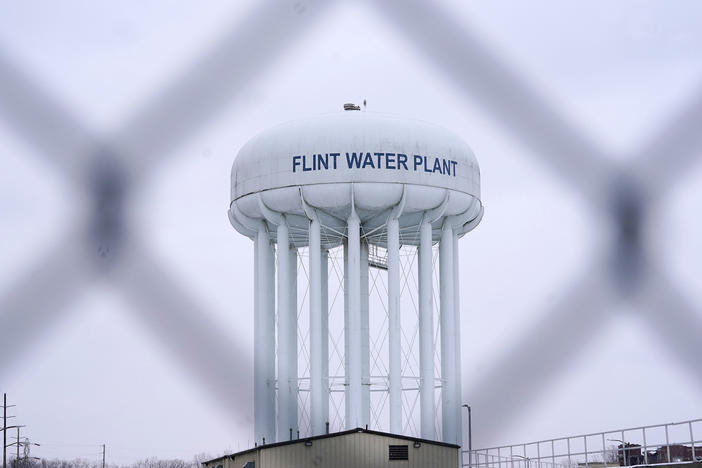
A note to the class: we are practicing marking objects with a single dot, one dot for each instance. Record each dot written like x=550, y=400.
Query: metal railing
x=644, y=445
x=377, y=257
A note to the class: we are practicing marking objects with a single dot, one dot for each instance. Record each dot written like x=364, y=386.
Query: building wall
x=677, y=453
x=235, y=462
x=357, y=450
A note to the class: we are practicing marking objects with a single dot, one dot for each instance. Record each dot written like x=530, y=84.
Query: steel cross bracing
x=108, y=170
x=377, y=345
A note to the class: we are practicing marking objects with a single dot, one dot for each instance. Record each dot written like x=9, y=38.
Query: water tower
x=355, y=219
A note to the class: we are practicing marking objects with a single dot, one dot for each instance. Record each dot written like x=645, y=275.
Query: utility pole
x=4, y=430
x=470, y=432
x=103, y=455
x=470, y=437
x=18, y=444
x=5, y=427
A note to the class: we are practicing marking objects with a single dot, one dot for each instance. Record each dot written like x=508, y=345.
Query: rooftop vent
x=398, y=452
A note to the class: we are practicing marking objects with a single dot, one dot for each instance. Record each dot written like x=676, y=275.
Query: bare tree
x=611, y=454
x=153, y=462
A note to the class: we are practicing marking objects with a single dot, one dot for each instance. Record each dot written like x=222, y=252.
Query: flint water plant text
x=392, y=161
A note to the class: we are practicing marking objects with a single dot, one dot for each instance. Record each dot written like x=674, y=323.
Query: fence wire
x=107, y=170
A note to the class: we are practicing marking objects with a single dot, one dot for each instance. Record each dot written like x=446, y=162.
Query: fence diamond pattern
x=108, y=168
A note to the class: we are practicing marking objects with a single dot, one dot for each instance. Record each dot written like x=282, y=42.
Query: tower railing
x=377, y=257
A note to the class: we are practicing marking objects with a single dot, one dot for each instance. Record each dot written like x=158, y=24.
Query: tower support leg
x=292, y=331
x=317, y=422
x=287, y=335
x=264, y=336
x=353, y=329
x=450, y=404
x=394, y=328
x=457, y=330
x=347, y=395
x=324, y=271
x=365, y=338
x=426, y=334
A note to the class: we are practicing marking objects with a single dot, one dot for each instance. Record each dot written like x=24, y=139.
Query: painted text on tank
x=374, y=160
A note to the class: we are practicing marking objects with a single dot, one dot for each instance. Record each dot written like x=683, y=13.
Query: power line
x=61, y=444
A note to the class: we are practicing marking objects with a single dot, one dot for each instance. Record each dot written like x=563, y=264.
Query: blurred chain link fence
x=108, y=169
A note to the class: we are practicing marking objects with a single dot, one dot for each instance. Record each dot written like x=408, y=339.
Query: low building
x=630, y=454
x=348, y=449
x=677, y=453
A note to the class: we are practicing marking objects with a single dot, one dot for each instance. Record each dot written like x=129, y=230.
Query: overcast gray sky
x=616, y=71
